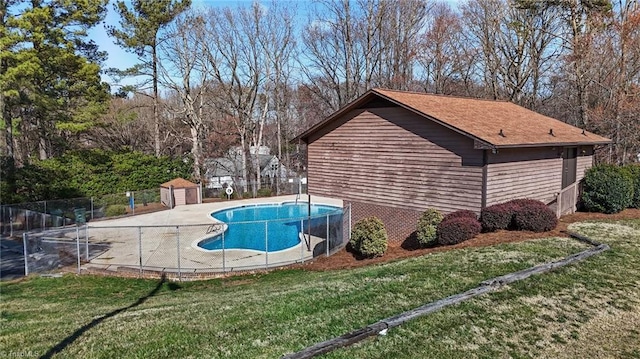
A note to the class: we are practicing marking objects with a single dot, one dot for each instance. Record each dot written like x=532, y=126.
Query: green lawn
x=591, y=309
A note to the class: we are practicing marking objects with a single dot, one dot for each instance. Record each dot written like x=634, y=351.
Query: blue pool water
x=280, y=224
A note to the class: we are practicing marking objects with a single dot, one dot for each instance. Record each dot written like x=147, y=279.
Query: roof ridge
x=375, y=89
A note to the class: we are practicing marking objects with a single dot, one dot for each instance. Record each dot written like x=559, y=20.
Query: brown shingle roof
x=497, y=123
x=179, y=183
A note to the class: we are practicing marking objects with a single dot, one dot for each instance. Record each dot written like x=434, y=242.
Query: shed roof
x=496, y=124
x=179, y=183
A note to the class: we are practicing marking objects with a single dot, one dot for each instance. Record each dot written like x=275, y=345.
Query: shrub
x=457, y=230
x=115, y=210
x=607, y=189
x=537, y=218
x=524, y=202
x=369, y=238
x=633, y=171
x=519, y=214
x=465, y=213
x=498, y=216
x=264, y=192
x=427, y=225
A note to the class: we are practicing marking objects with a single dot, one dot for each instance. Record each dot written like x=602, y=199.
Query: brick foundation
x=400, y=223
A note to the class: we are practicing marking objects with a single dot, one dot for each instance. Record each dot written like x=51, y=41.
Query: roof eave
x=554, y=144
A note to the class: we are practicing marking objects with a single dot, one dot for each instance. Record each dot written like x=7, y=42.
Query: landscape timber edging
x=489, y=285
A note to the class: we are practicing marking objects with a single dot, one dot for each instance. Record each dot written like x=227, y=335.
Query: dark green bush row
x=458, y=227
x=115, y=210
x=634, y=172
x=609, y=188
x=369, y=238
x=520, y=215
x=87, y=173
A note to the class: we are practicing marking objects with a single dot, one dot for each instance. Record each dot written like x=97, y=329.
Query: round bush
x=633, y=170
x=427, y=225
x=369, y=238
x=607, y=189
x=465, y=213
x=535, y=218
x=115, y=210
x=498, y=216
x=457, y=230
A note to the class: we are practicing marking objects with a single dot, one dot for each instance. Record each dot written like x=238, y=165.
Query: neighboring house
x=393, y=154
x=228, y=170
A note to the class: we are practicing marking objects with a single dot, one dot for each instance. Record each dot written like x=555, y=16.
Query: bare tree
x=402, y=23
x=236, y=43
x=126, y=126
x=139, y=32
x=184, y=71
x=443, y=57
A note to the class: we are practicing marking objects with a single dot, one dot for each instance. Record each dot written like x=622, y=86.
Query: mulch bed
x=409, y=248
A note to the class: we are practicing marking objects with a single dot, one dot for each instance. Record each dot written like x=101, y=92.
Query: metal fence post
x=327, y=235
x=92, y=208
x=301, y=241
x=224, y=268
x=140, y=249
x=78, y=246
x=44, y=216
x=26, y=255
x=266, y=244
x=178, y=248
x=86, y=241
x=10, y=222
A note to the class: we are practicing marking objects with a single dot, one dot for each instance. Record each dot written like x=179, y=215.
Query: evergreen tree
x=50, y=88
x=138, y=33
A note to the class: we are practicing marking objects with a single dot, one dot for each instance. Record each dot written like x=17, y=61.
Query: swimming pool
x=267, y=227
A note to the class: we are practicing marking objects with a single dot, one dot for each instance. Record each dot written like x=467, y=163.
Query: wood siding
x=179, y=196
x=534, y=173
x=585, y=161
x=191, y=195
x=393, y=157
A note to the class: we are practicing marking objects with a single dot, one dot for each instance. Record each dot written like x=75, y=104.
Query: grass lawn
x=591, y=309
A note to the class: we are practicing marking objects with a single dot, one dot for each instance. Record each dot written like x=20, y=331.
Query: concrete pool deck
x=166, y=241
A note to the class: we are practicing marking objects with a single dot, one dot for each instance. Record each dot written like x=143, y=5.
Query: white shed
x=179, y=191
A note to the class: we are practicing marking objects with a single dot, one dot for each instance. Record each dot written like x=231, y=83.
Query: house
x=392, y=154
x=228, y=170
x=179, y=192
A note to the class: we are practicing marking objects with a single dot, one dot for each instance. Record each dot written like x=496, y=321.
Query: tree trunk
x=196, y=153
x=6, y=119
x=156, y=119
x=243, y=145
x=279, y=134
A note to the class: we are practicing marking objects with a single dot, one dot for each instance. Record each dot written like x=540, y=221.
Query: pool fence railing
x=173, y=251
x=17, y=218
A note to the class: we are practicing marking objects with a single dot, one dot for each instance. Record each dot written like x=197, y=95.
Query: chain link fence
x=44, y=215
x=187, y=251
x=267, y=188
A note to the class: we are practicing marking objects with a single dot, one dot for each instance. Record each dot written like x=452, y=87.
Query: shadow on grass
x=80, y=331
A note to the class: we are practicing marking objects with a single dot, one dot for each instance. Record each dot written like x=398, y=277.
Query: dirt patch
x=150, y=207
x=409, y=248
